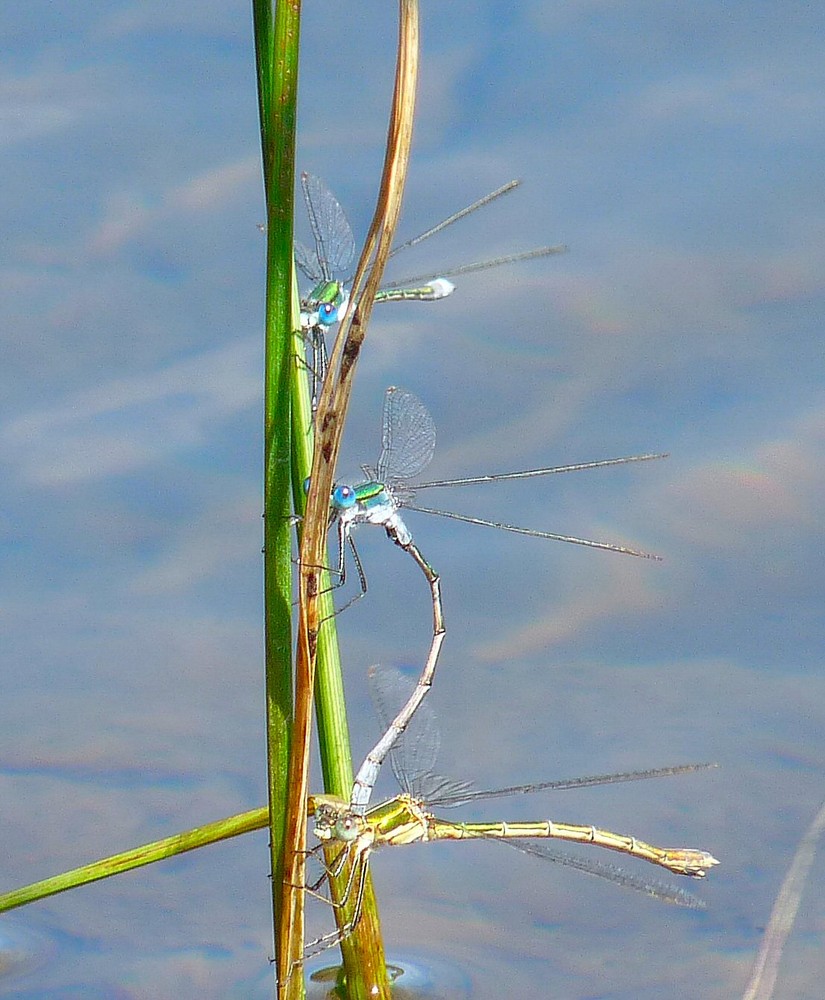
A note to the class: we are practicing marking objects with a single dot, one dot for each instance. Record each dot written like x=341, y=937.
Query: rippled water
x=680, y=157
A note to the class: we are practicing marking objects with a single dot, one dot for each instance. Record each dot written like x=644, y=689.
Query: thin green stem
x=276, y=49
x=137, y=857
x=330, y=706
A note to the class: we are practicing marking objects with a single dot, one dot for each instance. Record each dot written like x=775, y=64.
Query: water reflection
x=22, y=951
x=413, y=977
x=686, y=176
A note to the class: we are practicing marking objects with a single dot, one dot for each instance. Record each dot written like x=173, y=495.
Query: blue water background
x=678, y=152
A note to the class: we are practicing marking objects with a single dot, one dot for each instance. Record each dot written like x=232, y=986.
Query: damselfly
x=408, y=439
x=334, y=248
x=407, y=819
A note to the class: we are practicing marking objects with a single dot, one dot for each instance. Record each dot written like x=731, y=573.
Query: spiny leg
x=344, y=538
x=320, y=364
x=333, y=869
x=361, y=868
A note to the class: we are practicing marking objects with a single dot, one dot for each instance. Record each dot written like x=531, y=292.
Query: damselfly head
x=344, y=497
x=334, y=821
x=333, y=312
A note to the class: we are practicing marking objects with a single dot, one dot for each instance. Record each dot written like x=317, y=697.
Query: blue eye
x=327, y=314
x=344, y=497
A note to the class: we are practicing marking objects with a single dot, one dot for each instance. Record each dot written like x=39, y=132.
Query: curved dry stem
x=329, y=423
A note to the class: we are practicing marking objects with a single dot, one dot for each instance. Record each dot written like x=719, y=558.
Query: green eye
x=346, y=829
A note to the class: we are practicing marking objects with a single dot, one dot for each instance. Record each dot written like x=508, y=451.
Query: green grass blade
x=126, y=861
x=330, y=706
x=276, y=44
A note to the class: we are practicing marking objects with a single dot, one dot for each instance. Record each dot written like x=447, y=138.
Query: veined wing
x=460, y=214
x=334, y=242
x=650, y=887
x=479, y=265
x=414, y=755
x=470, y=795
x=408, y=436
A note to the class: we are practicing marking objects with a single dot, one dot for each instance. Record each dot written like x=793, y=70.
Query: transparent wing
x=415, y=753
x=650, y=887
x=478, y=265
x=408, y=436
x=334, y=242
x=557, y=785
x=462, y=213
x=306, y=261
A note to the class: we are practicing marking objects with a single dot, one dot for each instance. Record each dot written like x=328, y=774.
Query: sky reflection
x=677, y=152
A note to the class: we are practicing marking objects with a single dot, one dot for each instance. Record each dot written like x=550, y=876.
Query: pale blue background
x=678, y=151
